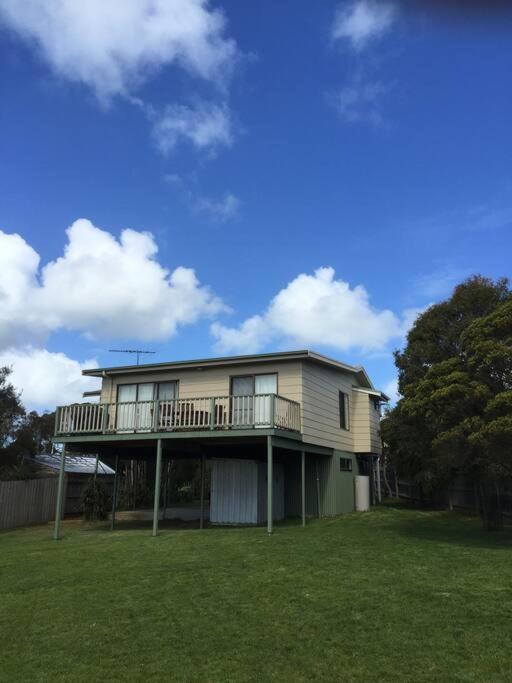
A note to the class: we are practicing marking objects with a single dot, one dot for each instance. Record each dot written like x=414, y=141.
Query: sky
x=210, y=178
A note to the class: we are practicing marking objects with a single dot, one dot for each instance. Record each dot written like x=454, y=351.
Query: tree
x=21, y=433
x=11, y=409
x=455, y=377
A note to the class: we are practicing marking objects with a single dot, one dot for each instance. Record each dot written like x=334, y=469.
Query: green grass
x=389, y=595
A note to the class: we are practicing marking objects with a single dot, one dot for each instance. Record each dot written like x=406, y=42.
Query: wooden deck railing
x=205, y=413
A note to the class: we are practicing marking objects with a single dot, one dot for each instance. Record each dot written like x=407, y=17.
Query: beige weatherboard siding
x=211, y=381
x=365, y=421
x=310, y=379
x=320, y=406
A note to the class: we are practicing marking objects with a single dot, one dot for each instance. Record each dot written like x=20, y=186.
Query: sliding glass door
x=242, y=389
x=263, y=386
x=127, y=407
x=251, y=401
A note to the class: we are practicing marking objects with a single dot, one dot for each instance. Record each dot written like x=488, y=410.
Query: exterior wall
x=365, y=421
x=320, y=408
x=336, y=487
x=213, y=381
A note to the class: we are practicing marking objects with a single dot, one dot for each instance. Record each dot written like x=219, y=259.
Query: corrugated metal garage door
x=234, y=491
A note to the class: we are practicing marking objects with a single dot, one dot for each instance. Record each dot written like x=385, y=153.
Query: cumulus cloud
x=101, y=286
x=114, y=46
x=205, y=126
x=47, y=379
x=362, y=21
x=314, y=310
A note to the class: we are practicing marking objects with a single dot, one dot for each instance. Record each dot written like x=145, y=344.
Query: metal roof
x=234, y=360
x=75, y=464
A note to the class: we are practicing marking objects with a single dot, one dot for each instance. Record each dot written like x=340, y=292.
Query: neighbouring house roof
x=75, y=464
x=198, y=364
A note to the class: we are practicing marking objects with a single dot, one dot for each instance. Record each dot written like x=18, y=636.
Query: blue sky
x=325, y=169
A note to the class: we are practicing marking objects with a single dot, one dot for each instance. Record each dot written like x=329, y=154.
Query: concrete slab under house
x=282, y=434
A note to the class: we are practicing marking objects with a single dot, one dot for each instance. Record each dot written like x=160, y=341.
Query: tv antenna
x=136, y=351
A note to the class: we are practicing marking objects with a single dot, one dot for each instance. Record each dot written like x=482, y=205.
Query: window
x=147, y=391
x=343, y=399
x=248, y=385
x=345, y=465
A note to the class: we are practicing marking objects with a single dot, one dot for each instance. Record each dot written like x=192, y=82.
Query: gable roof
x=307, y=355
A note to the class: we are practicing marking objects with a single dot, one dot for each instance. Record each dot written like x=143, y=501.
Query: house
x=284, y=433
x=78, y=469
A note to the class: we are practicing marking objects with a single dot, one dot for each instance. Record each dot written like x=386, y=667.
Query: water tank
x=362, y=487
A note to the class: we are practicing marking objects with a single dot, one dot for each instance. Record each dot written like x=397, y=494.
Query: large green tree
x=455, y=377
x=21, y=434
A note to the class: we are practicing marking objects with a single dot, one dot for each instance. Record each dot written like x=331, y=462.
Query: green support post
x=114, y=495
x=318, y=490
x=166, y=483
x=201, y=519
x=270, y=476
x=273, y=411
x=303, y=485
x=60, y=494
x=158, y=474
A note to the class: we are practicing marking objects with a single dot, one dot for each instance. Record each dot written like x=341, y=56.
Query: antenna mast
x=138, y=352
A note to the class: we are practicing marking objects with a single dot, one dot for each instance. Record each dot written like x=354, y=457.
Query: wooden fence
x=31, y=501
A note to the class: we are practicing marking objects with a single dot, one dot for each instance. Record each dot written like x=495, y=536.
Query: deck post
x=158, y=474
x=60, y=494
x=303, y=485
x=114, y=496
x=318, y=490
x=166, y=484
x=379, y=491
x=270, y=479
x=201, y=519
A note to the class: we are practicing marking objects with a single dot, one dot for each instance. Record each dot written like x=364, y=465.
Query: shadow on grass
x=456, y=528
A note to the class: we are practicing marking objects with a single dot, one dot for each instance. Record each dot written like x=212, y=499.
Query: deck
x=180, y=414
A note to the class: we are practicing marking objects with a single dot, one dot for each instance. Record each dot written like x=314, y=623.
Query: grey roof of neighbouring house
x=75, y=464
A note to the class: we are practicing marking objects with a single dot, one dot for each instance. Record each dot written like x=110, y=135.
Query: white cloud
x=113, y=46
x=219, y=210
x=362, y=21
x=47, y=379
x=101, y=286
x=314, y=310
x=391, y=390
x=359, y=102
x=206, y=126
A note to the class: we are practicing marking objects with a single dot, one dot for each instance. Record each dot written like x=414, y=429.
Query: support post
x=166, y=484
x=158, y=474
x=270, y=481
x=96, y=466
x=379, y=491
x=114, y=495
x=303, y=485
x=318, y=490
x=201, y=519
x=60, y=494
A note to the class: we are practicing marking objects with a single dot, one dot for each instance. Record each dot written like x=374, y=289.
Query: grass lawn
x=389, y=595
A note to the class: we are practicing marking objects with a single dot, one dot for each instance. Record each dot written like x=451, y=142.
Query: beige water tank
x=362, y=489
